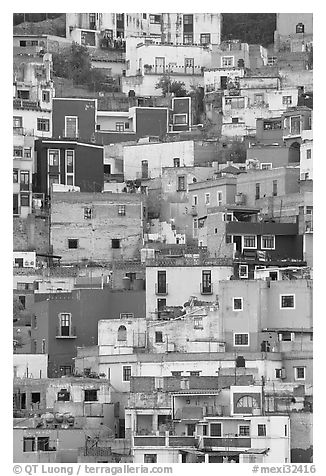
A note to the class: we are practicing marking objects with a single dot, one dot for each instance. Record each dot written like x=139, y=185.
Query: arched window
x=299, y=28
x=122, y=333
x=247, y=401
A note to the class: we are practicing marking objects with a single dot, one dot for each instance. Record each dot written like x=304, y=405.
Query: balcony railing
x=66, y=332
x=206, y=288
x=161, y=290
x=26, y=104
x=174, y=441
x=220, y=442
x=22, y=131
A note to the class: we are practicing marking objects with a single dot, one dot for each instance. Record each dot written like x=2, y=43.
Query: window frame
x=207, y=198
x=243, y=276
x=121, y=210
x=198, y=322
x=287, y=100
x=126, y=373
x=243, y=426
x=160, y=340
x=69, y=152
x=219, y=198
x=241, y=334
x=296, y=372
x=287, y=307
x=261, y=426
x=224, y=61
x=70, y=242
x=264, y=164
x=91, y=391
x=202, y=36
x=233, y=301
x=243, y=237
x=45, y=124
x=262, y=244
x=77, y=124
x=182, y=183
x=220, y=424
x=116, y=241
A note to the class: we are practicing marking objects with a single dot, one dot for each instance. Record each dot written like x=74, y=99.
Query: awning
x=256, y=451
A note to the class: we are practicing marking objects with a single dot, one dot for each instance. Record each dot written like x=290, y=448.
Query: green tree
x=174, y=87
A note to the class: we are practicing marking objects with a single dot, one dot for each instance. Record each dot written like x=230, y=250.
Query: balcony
x=161, y=290
x=66, y=332
x=171, y=441
x=22, y=131
x=206, y=288
x=220, y=442
x=26, y=104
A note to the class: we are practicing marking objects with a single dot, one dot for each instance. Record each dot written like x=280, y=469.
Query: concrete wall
x=84, y=109
x=287, y=183
x=33, y=365
x=278, y=156
x=158, y=156
x=301, y=437
x=182, y=282
x=95, y=235
x=30, y=120
x=31, y=233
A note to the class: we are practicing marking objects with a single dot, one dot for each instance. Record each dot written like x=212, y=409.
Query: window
x=120, y=126
x=122, y=333
x=71, y=126
x=155, y=19
x=23, y=94
x=180, y=119
x=189, y=63
x=22, y=300
x=227, y=61
x=278, y=373
x=207, y=198
x=126, y=373
x=188, y=19
x=70, y=160
x=29, y=444
x=271, y=60
x=27, y=152
x=299, y=373
x=206, y=282
x=176, y=162
x=285, y=430
x=115, y=243
x=287, y=301
x=205, y=38
x=17, y=121
x=308, y=154
x=274, y=188
x=219, y=198
x=176, y=373
x=268, y=242
x=144, y=16
x=181, y=183
x=244, y=430
x=53, y=157
x=257, y=195
x=188, y=39
x=243, y=271
x=87, y=213
x=65, y=324
x=250, y=241
x=43, y=346
x=46, y=96
x=261, y=430
x=237, y=304
x=266, y=166
x=195, y=200
x=121, y=210
x=150, y=458
x=258, y=98
x=299, y=28
x=127, y=315
x=235, y=120
x=63, y=395
x=161, y=282
x=24, y=199
x=215, y=429
x=295, y=125
x=18, y=152
x=72, y=244
x=43, y=124
x=247, y=401
x=158, y=337
x=24, y=179
x=15, y=176
x=198, y=322
x=194, y=373
x=144, y=168
x=241, y=339
x=90, y=395
x=287, y=100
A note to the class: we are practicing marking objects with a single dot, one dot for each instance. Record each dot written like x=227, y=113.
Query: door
x=189, y=65
x=159, y=65
x=161, y=282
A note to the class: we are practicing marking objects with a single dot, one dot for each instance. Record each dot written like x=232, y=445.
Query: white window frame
x=296, y=372
x=223, y=58
x=249, y=247
x=245, y=426
x=287, y=308
x=51, y=165
x=287, y=100
x=123, y=367
x=69, y=174
x=77, y=125
x=209, y=198
x=246, y=274
x=237, y=310
x=219, y=197
x=300, y=128
x=180, y=123
x=264, y=164
x=216, y=423
x=226, y=215
x=280, y=337
x=262, y=240
x=241, y=333
x=198, y=322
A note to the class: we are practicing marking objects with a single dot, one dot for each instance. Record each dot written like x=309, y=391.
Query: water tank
x=126, y=282
x=69, y=418
x=139, y=284
x=49, y=418
x=58, y=417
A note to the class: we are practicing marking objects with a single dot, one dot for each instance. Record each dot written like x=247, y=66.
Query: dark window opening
x=90, y=395
x=36, y=397
x=159, y=337
x=72, y=244
x=115, y=243
x=63, y=395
